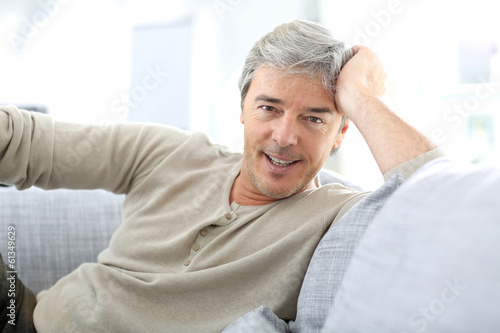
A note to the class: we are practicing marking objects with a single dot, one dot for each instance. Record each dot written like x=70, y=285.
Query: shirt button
x=228, y=216
x=203, y=232
x=187, y=262
x=196, y=247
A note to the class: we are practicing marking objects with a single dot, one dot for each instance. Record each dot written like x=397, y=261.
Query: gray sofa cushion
x=430, y=261
x=327, y=176
x=332, y=257
x=56, y=230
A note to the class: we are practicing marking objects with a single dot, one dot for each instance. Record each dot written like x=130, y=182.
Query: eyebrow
x=269, y=99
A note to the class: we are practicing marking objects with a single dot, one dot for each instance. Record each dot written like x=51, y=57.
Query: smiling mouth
x=280, y=163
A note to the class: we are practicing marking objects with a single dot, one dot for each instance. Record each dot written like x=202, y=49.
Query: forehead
x=272, y=81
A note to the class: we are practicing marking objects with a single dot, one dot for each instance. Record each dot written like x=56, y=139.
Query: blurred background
x=178, y=63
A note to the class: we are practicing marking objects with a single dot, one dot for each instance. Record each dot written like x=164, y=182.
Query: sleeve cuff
x=408, y=168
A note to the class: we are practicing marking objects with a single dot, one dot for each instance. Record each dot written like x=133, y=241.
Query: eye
x=315, y=120
x=267, y=108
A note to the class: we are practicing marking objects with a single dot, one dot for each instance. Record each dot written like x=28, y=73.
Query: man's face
x=291, y=125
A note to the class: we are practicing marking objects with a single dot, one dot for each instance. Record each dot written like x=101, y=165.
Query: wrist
x=355, y=100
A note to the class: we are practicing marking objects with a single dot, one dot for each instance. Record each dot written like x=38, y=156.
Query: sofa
x=416, y=255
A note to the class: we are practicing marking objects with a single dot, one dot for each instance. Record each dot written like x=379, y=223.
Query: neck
x=245, y=196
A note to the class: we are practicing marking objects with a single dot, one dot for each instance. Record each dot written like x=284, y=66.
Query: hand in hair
x=392, y=141
x=362, y=76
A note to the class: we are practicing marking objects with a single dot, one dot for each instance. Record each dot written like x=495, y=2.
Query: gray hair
x=298, y=47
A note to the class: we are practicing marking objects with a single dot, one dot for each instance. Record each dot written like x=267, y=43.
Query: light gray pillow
x=331, y=259
x=430, y=261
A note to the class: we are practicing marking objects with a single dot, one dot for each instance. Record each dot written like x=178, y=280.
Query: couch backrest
x=56, y=231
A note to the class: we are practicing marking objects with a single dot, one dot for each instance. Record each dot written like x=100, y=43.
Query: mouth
x=279, y=162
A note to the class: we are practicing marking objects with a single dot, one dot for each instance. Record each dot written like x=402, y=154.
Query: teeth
x=279, y=162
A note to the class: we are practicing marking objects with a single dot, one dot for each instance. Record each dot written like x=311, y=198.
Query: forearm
x=391, y=140
x=17, y=134
x=36, y=151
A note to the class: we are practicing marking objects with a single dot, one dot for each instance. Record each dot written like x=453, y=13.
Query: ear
x=340, y=136
x=242, y=119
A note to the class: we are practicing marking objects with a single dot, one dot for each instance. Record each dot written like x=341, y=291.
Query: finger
x=354, y=49
x=358, y=47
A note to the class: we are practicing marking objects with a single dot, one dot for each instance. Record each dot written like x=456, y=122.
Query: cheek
x=255, y=130
x=253, y=139
x=320, y=155
x=319, y=146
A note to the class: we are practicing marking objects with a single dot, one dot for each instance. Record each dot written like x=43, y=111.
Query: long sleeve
x=410, y=167
x=35, y=150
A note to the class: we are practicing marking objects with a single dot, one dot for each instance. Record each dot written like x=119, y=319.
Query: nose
x=285, y=132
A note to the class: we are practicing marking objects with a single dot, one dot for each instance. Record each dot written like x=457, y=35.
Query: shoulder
x=166, y=139
x=186, y=151
x=327, y=201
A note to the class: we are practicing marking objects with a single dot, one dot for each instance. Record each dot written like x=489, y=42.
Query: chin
x=277, y=184
x=277, y=194
x=272, y=189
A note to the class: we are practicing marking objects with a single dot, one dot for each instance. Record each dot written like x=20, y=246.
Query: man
x=209, y=234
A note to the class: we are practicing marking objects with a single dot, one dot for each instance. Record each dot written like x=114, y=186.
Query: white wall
x=418, y=42
x=75, y=59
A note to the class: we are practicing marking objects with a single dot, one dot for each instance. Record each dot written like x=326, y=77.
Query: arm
x=391, y=140
x=35, y=150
